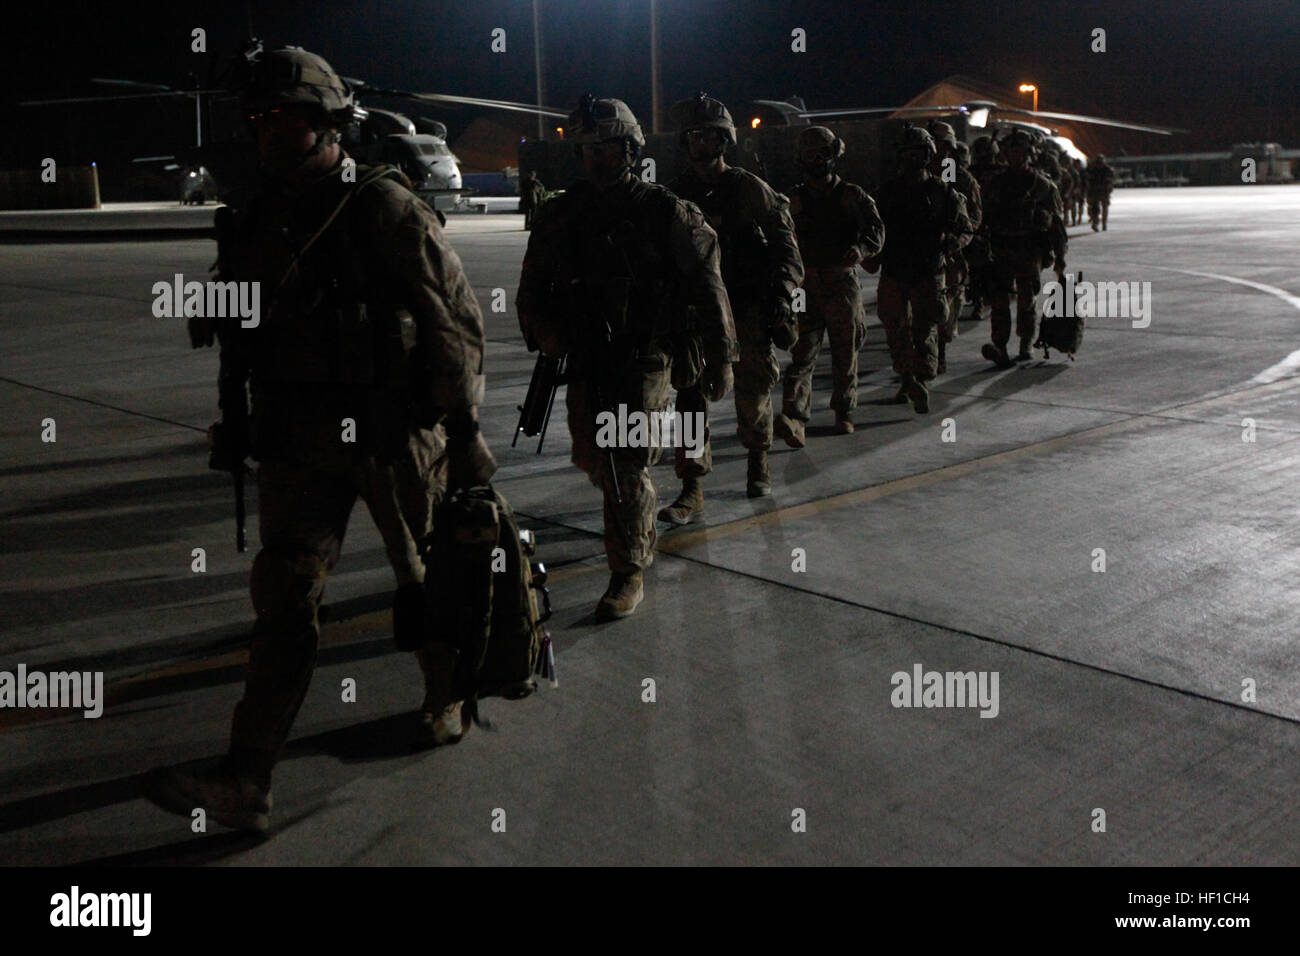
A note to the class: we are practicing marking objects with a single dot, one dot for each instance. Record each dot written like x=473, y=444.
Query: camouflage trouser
x=834, y=310
x=303, y=511
x=642, y=384
x=912, y=314
x=1098, y=209
x=755, y=373
x=955, y=276
x=1016, y=268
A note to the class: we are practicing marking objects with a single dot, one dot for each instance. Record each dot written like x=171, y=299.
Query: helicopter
x=225, y=165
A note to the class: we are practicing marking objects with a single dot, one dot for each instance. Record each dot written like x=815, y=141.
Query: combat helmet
x=597, y=120
x=916, y=138
x=291, y=76
x=702, y=111
x=986, y=149
x=819, y=137
x=1018, y=138
x=943, y=133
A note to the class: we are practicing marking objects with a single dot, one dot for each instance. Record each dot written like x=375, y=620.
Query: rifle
x=535, y=412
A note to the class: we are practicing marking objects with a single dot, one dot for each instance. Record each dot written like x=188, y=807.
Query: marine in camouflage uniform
x=925, y=223
x=621, y=276
x=984, y=166
x=365, y=373
x=838, y=227
x=1078, y=198
x=1027, y=233
x=1101, y=182
x=531, y=194
x=761, y=268
x=957, y=272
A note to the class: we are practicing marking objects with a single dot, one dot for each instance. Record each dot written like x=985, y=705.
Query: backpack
x=1061, y=332
x=486, y=598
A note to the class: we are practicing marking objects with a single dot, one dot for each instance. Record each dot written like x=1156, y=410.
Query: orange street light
x=753, y=124
x=1030, y=88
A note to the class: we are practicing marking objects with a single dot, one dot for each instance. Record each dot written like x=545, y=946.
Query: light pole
x=537, y=59
x=1030, y=88
x=654, y=67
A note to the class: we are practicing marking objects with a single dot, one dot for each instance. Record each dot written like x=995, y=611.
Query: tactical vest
x=1018, y=204
x=324, y=321
x=916, y=215
x=824, y=224
x=331, y=341
x=743, y=247
x=618, y=267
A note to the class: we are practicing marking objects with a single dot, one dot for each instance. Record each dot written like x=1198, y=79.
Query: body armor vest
x=824, y=226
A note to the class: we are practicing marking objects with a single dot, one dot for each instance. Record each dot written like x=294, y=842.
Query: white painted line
x=1288, y=365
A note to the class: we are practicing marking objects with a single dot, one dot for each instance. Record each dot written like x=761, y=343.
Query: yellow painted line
x=681, y=540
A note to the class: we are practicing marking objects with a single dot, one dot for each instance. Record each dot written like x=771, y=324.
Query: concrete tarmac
x=1158, y=697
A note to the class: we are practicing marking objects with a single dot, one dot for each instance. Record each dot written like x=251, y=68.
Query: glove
x=228, y=444
x=469, y=461
x=872, y=266
x=716, y=380
x=783, y=326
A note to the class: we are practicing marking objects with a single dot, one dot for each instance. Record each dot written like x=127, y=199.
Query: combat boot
x=440, y=715
x=919, y=396
x=758, y=483
x=689, y=505
x=998, y=356
x=231, y=800
x=622, y=597
x=900, y=398
x=1025, y=354
x=790, y=429
x=843, y=423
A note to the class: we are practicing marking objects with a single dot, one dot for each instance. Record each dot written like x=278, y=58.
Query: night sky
x=1228, y=70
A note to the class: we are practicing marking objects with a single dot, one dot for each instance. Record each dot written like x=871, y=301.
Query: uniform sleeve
x=870, y=227
x=974, y=201
x=785, y=265
x=411, y=248
x=694, y=247
x=1059, y=237
x=535, y=299
x=959, y=229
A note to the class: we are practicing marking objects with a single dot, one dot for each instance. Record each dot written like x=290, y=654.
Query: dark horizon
x=1216, y=69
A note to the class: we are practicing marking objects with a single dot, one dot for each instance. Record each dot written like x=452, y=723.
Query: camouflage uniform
x=925, y=222
x=531, y=194
x=1101, y=182
x=617, y=256
x=979, y=258
x=1078, y=197
x=829, y=221
x=372, y=315
x=956, y=271
x=1027, y=232
x=760, y=263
